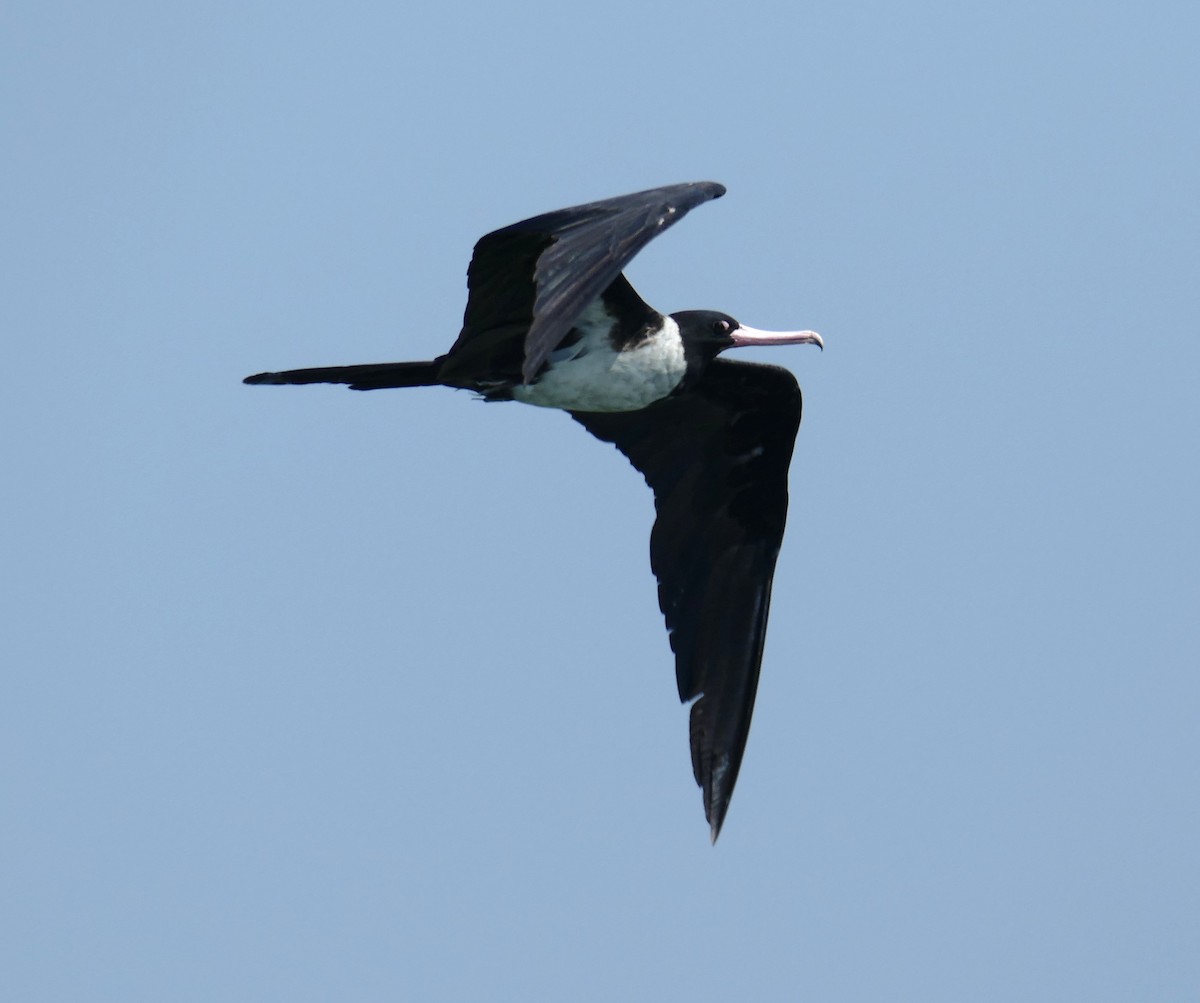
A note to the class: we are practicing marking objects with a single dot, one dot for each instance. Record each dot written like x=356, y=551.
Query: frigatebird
x=552, y=321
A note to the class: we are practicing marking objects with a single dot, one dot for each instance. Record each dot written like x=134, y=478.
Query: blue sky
x=317, y=695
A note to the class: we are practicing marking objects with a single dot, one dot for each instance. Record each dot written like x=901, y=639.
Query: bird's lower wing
x=717, y=460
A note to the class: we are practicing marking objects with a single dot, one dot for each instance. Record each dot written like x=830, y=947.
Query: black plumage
x=717, y=461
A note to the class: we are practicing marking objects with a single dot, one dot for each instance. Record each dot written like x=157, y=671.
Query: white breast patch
x=592, y=376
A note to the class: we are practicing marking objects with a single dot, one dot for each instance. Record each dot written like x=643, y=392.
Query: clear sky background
x=316, y=695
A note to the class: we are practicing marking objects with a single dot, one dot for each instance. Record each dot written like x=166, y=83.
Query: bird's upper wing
x=717, y=460
x=537, y=276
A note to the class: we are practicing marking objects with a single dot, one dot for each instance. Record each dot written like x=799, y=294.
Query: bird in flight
x=552, y=321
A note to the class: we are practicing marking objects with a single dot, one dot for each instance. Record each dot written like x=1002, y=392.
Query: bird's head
x=709, y=333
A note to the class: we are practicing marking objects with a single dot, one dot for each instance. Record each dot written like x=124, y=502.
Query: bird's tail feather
x=374, y=376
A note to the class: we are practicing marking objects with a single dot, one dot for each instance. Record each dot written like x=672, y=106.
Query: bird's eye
x=720, y=327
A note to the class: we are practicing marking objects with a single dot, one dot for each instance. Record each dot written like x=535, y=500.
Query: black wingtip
x=715, y=830
x=711, y=189
x=258, y=378
x=716, y=806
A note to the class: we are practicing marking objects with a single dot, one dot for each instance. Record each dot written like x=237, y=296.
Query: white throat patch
x=592, y=376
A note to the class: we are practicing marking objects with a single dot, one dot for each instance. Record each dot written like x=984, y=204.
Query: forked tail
x=374, y=376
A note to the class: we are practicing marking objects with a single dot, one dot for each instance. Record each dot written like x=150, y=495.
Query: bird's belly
x=592, y=376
